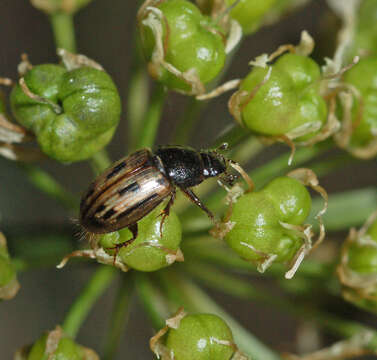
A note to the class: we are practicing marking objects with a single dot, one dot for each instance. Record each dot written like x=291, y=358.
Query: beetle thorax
x=213, y=164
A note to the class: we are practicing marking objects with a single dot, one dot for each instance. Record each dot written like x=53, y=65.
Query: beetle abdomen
x=123, y=194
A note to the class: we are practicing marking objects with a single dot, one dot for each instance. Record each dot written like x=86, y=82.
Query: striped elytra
x=124, y=193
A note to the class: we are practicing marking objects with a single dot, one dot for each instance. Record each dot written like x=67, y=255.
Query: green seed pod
x=150, y=251
x=290, y=198
x=199, y=337
x=55, y=6
x=268, y=226
x=60, y=347
x=196, y=336
x=358, y=268
x=185, y=49
x=72, y=110
x=257, y=232
x=282, y=101
x=9, y=285
x=362, y=133
x=250, y=13
x=365, y=39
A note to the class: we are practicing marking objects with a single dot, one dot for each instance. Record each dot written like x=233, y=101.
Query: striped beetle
x=133, y=186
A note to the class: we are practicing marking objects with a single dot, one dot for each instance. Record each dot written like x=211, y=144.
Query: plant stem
x=119, y=317
x=48, y=185
x=196, y=300
x=100, y=161
x=152, y=118
x=138, y=93
x=79, y=310
x=152, y=299
x=63, y=29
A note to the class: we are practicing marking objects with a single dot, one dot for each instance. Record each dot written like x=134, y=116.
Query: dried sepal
x=357, y=285
x=73, y=61
x=98, y=254
x=155, y=343
x=357, y=345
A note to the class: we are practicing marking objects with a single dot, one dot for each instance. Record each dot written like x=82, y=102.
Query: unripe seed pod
x=184, y=48
x=365, y=38
x=358, y=268
x=288, y=103
x=9, y=285
x=250, y=13
x=72, y=112
x=154, y=248
x=195, y=336
x=360, y=136
x=268, y=226
x=257, y=226
x=55, y=345
x=199, y=336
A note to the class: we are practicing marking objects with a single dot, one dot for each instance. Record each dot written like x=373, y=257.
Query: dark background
x=105, y=32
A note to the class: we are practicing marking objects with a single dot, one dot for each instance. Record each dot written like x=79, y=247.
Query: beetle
x=133, y=186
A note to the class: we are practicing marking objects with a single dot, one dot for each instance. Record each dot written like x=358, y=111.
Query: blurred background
x=105, y=31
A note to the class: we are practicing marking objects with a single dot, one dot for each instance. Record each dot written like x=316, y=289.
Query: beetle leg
x=134, y=229
x=165, y=212
x=190, y=194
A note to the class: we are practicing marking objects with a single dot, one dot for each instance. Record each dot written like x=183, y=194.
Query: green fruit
x=150, y=256
x=196, y=338
x=67, y=349
x=258, y=216
x=288, y=101
x=366, y=30
x=291, y=199
x=7, y=272
x=90, y=110
x=250, y=13
x=362, y=258
x=363, y=76
x=194, y=42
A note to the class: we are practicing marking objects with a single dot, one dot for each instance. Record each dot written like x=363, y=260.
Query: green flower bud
x=287, y=103
x=196, y=336
x=358, y=268
x=250, y=13
x=150, y=251
x=73, y=112
x=363, y=76
x=60, y=347
x=184, y=48
x=9, y=285
x=54, y=6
